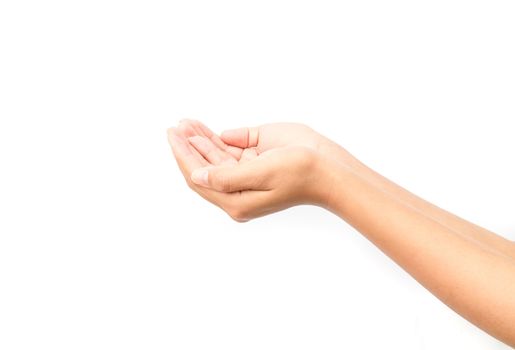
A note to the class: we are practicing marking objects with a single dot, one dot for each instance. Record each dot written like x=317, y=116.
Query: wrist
x=334, y=151
x=330, y=174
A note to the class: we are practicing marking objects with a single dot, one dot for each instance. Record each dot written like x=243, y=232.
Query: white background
x=102, y=245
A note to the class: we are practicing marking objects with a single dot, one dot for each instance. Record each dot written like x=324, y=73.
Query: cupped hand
x=251, y=172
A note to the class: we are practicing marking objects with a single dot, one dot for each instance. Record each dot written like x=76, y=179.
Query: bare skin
x=251, y=172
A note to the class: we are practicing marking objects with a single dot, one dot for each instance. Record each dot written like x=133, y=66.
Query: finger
x=251, y=175
x=243, y=137
x=186, y=156
x=210, y=151
x=181, y=135
x=188, y=160
x=248, y=154
x=234, y=151
x=202, y=130
x=187, y=129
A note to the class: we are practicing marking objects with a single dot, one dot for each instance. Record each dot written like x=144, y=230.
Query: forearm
x=477, y=282
x=451, y=221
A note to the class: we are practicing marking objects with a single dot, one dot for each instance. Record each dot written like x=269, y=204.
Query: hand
x=249, y=181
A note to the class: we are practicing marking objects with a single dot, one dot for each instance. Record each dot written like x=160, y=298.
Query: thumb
x=232, y=178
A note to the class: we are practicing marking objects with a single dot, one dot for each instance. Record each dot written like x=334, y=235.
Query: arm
x=271, y=136
x=475, y=281
x=468, y=274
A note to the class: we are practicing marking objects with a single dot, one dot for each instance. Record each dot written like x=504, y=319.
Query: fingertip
x=186, y=129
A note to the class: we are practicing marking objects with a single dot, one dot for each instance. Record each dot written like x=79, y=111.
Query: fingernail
x=200, y=177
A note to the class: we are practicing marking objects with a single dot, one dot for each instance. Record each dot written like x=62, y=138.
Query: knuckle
x=239, y=219
x=238, y=214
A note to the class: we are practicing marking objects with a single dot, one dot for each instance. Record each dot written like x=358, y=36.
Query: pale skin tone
x=251, y=172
